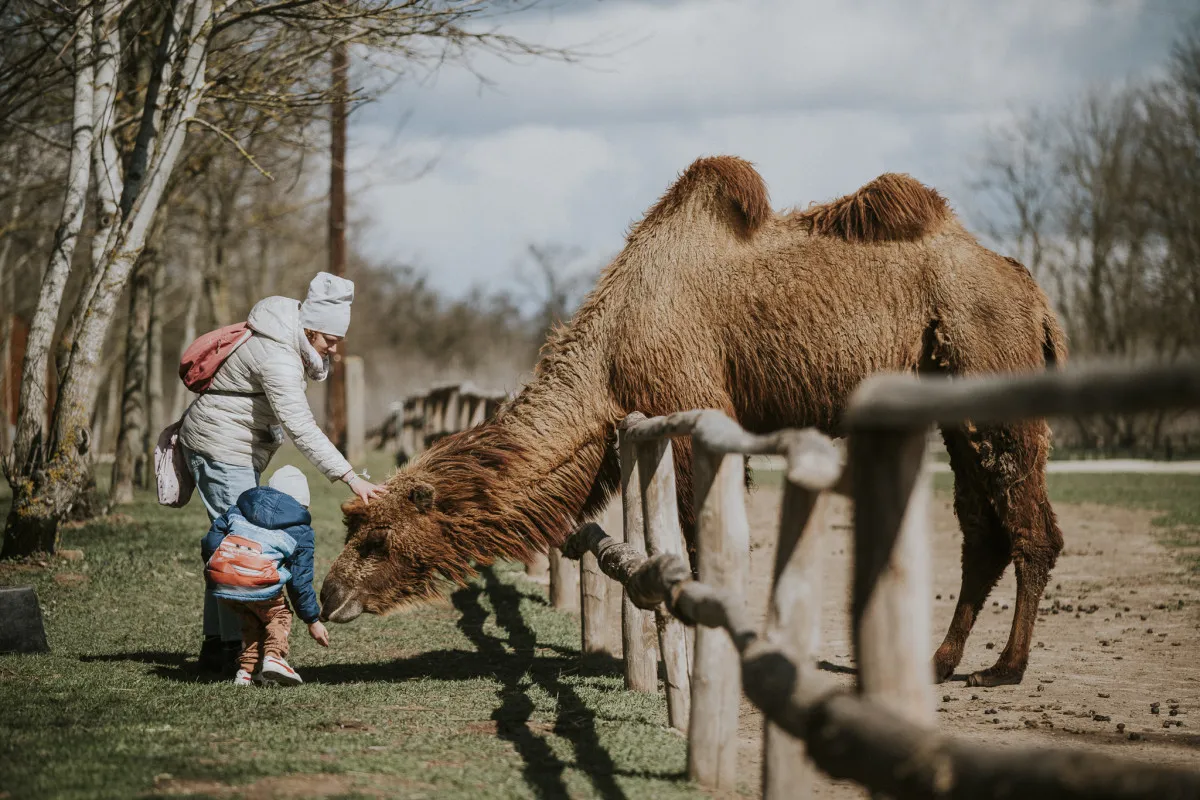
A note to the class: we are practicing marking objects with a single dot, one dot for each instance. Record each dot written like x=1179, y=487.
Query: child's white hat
x=290, y=480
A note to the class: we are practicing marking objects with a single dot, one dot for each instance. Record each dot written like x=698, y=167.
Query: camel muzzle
x=338, y=604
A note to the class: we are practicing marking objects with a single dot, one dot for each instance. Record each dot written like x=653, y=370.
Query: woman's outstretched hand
x=364, y=488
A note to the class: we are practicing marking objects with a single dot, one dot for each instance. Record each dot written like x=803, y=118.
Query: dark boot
x=212, y=654
x=230, y=655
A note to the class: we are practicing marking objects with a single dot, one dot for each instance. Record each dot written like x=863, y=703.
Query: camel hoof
x=995, y=676
x=943, y=667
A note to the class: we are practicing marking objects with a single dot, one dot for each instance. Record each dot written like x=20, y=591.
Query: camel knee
x=1033, y=560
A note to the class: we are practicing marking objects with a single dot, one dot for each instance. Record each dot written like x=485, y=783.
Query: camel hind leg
x=1006, y=516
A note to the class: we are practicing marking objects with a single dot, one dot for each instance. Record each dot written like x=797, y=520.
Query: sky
x=457, y=177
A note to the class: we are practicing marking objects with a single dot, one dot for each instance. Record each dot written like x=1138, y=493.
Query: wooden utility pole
x=335, y=404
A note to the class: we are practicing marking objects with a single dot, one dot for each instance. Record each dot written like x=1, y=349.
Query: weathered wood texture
x=564, y=582
x=794, y=625
x=664, y=535
x=355, y=407
x=638, y=632
x=813, y=460
x=900, y=401
x=723, y=555
x=891, y=605
x=853, y=737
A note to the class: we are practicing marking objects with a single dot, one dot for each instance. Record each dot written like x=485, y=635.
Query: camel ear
x=422, y=496
x=354, y=507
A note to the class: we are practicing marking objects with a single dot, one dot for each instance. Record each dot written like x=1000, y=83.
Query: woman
x=232, y=430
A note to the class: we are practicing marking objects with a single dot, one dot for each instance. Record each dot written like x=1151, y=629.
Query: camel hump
x=893, y=207
x=726, y=187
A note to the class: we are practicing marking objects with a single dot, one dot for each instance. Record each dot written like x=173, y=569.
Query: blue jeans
x=219, y=486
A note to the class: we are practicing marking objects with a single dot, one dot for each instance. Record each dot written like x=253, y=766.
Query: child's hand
x=318, y=632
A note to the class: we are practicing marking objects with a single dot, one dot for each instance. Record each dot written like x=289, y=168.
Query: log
x=723, y=552
x=638, y=632
x=564, y=582
x=664, y=535
x=891, y=603
x=794, y=625
x=898, y=401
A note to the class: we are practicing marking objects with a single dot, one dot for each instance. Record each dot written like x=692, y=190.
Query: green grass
x=484, y=696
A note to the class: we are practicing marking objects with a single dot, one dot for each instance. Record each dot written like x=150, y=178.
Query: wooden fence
x=882, y=734
x=421, y=419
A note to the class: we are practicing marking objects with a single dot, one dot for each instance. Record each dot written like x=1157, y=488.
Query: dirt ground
x=1117, y=637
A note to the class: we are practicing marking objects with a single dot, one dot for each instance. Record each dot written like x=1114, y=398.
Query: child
x=251, y=552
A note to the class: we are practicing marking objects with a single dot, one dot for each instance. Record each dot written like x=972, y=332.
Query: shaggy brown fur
x=716, y=302
x=890, y=208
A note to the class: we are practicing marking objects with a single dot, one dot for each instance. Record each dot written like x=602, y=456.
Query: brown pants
x=265, y=628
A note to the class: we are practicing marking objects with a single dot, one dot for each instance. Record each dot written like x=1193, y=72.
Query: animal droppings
x=1103, y=694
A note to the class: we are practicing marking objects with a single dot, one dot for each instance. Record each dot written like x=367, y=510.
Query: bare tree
x=208, y=52
x=1100, y=199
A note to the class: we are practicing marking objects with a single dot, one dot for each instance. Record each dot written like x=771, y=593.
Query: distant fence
x=421, y=419
x=882, y=735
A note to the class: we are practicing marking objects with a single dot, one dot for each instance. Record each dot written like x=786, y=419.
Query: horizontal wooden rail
x=854, y=737
x=813, y=460
x=900, y=401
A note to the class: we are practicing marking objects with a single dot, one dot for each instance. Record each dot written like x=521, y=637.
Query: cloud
x=821, y=96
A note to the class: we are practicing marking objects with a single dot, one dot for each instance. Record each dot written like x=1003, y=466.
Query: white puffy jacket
x=258, y=389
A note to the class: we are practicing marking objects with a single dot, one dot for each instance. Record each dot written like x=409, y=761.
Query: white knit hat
x=327, y=307
x=289, y=480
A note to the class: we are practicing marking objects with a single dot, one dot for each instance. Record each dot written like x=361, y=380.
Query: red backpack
x=203, y=357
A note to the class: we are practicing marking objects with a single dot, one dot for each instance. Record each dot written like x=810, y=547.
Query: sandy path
x=1129, y=639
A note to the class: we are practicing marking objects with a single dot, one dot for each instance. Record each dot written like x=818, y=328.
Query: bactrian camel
x=716, y=301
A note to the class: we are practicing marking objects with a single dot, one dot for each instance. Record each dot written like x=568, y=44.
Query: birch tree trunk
x=47, y=487
x=29, y=527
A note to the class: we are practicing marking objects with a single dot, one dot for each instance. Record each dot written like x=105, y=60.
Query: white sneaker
x=242, y=678
x=276, y=670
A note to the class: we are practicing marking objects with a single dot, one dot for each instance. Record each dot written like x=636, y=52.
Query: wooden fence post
x=723, y=551
x=564, y=582
x=538, y=568
x=356, y=413
x=594, y=590
x=892, y=591
x=614, y=522
x=794, y=624
x=656, y=468
x=638, y=631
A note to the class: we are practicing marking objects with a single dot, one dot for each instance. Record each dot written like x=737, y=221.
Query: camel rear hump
x=892, y=208
x=726, y=189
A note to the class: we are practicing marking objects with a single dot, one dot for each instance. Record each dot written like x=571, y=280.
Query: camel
x=716, y=301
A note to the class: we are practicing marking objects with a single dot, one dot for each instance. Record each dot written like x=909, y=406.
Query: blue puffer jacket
x=258, y=546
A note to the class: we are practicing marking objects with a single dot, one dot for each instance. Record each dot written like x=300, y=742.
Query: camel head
x=391, y=553
x=441, y=517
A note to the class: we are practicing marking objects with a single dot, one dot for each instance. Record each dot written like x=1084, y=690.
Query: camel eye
x=374, y=544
